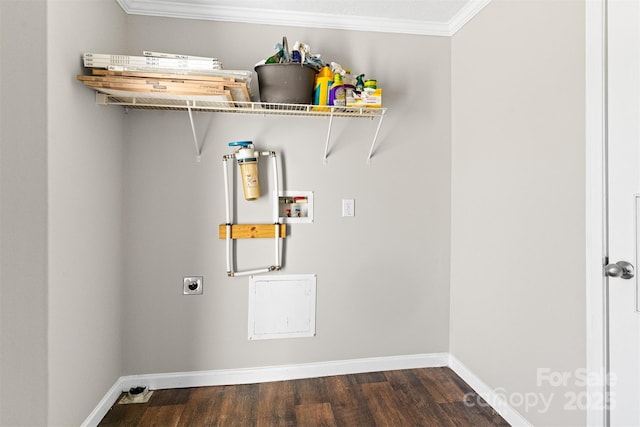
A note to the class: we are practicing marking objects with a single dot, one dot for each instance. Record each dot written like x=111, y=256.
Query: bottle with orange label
x=247, y=159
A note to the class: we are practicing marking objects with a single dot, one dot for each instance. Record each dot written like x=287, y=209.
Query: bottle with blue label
x=323, y=82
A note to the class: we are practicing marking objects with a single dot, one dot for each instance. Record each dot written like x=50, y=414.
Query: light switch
x=348, y=207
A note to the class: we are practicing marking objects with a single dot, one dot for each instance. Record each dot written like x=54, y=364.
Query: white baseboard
x=263, y=374
x=105, y=404
x=496, y=401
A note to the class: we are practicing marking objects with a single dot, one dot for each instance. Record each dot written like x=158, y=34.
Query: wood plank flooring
x=411, y=397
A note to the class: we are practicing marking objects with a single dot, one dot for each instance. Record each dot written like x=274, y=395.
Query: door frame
x=595, y=128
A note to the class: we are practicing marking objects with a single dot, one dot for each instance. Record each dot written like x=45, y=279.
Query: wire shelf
x=215, y=103
x=163, y=101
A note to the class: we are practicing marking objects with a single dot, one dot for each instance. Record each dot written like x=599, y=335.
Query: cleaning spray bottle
x=324, y=78
x=360, y=83
x=337, y=95
x=349, y=87
x=247, y=159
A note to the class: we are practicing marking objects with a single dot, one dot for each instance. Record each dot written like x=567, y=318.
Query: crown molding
x=470, y=10
x=189, y=10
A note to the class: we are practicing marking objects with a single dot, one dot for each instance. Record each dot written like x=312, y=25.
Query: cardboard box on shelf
x=371, y=99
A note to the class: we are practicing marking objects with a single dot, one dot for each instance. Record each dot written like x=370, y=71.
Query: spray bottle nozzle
x=240, y=144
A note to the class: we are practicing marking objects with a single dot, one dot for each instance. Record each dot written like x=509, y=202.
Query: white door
x=623, y=208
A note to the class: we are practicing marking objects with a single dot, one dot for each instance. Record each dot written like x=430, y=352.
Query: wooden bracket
x=251, y=231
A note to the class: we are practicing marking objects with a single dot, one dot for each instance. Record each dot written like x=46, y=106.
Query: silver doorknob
x=621, y=269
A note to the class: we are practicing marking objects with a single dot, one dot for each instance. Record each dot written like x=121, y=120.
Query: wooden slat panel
x=251, y=231
x=151, y=74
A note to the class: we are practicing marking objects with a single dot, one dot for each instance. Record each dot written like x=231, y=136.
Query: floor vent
x=136, y=395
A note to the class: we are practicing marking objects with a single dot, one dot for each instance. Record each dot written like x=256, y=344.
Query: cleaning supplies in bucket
x=283, y=80
x=287, y=83
x=300, y=77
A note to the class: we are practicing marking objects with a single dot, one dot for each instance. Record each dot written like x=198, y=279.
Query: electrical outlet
x=348, y=207
x=192, y=285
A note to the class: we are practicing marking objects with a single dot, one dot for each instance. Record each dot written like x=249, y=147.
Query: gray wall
x=383, y=276
x=23, y=213
x=60, y=215
x=518, y=239
x=85, y=188
x=480, y=159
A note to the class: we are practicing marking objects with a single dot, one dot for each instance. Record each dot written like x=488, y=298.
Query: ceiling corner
x=465, y=14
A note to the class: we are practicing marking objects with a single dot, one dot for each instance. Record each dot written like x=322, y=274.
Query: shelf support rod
x=326, y=145
x=375, y=137
x=193, y=131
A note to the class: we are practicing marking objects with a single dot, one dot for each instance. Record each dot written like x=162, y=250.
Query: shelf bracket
x=195, y=138
x=375, y=138
x=373, y=143
x=326, y=145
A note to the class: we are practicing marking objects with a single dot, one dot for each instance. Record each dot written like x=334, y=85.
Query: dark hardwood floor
x=411, y=397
